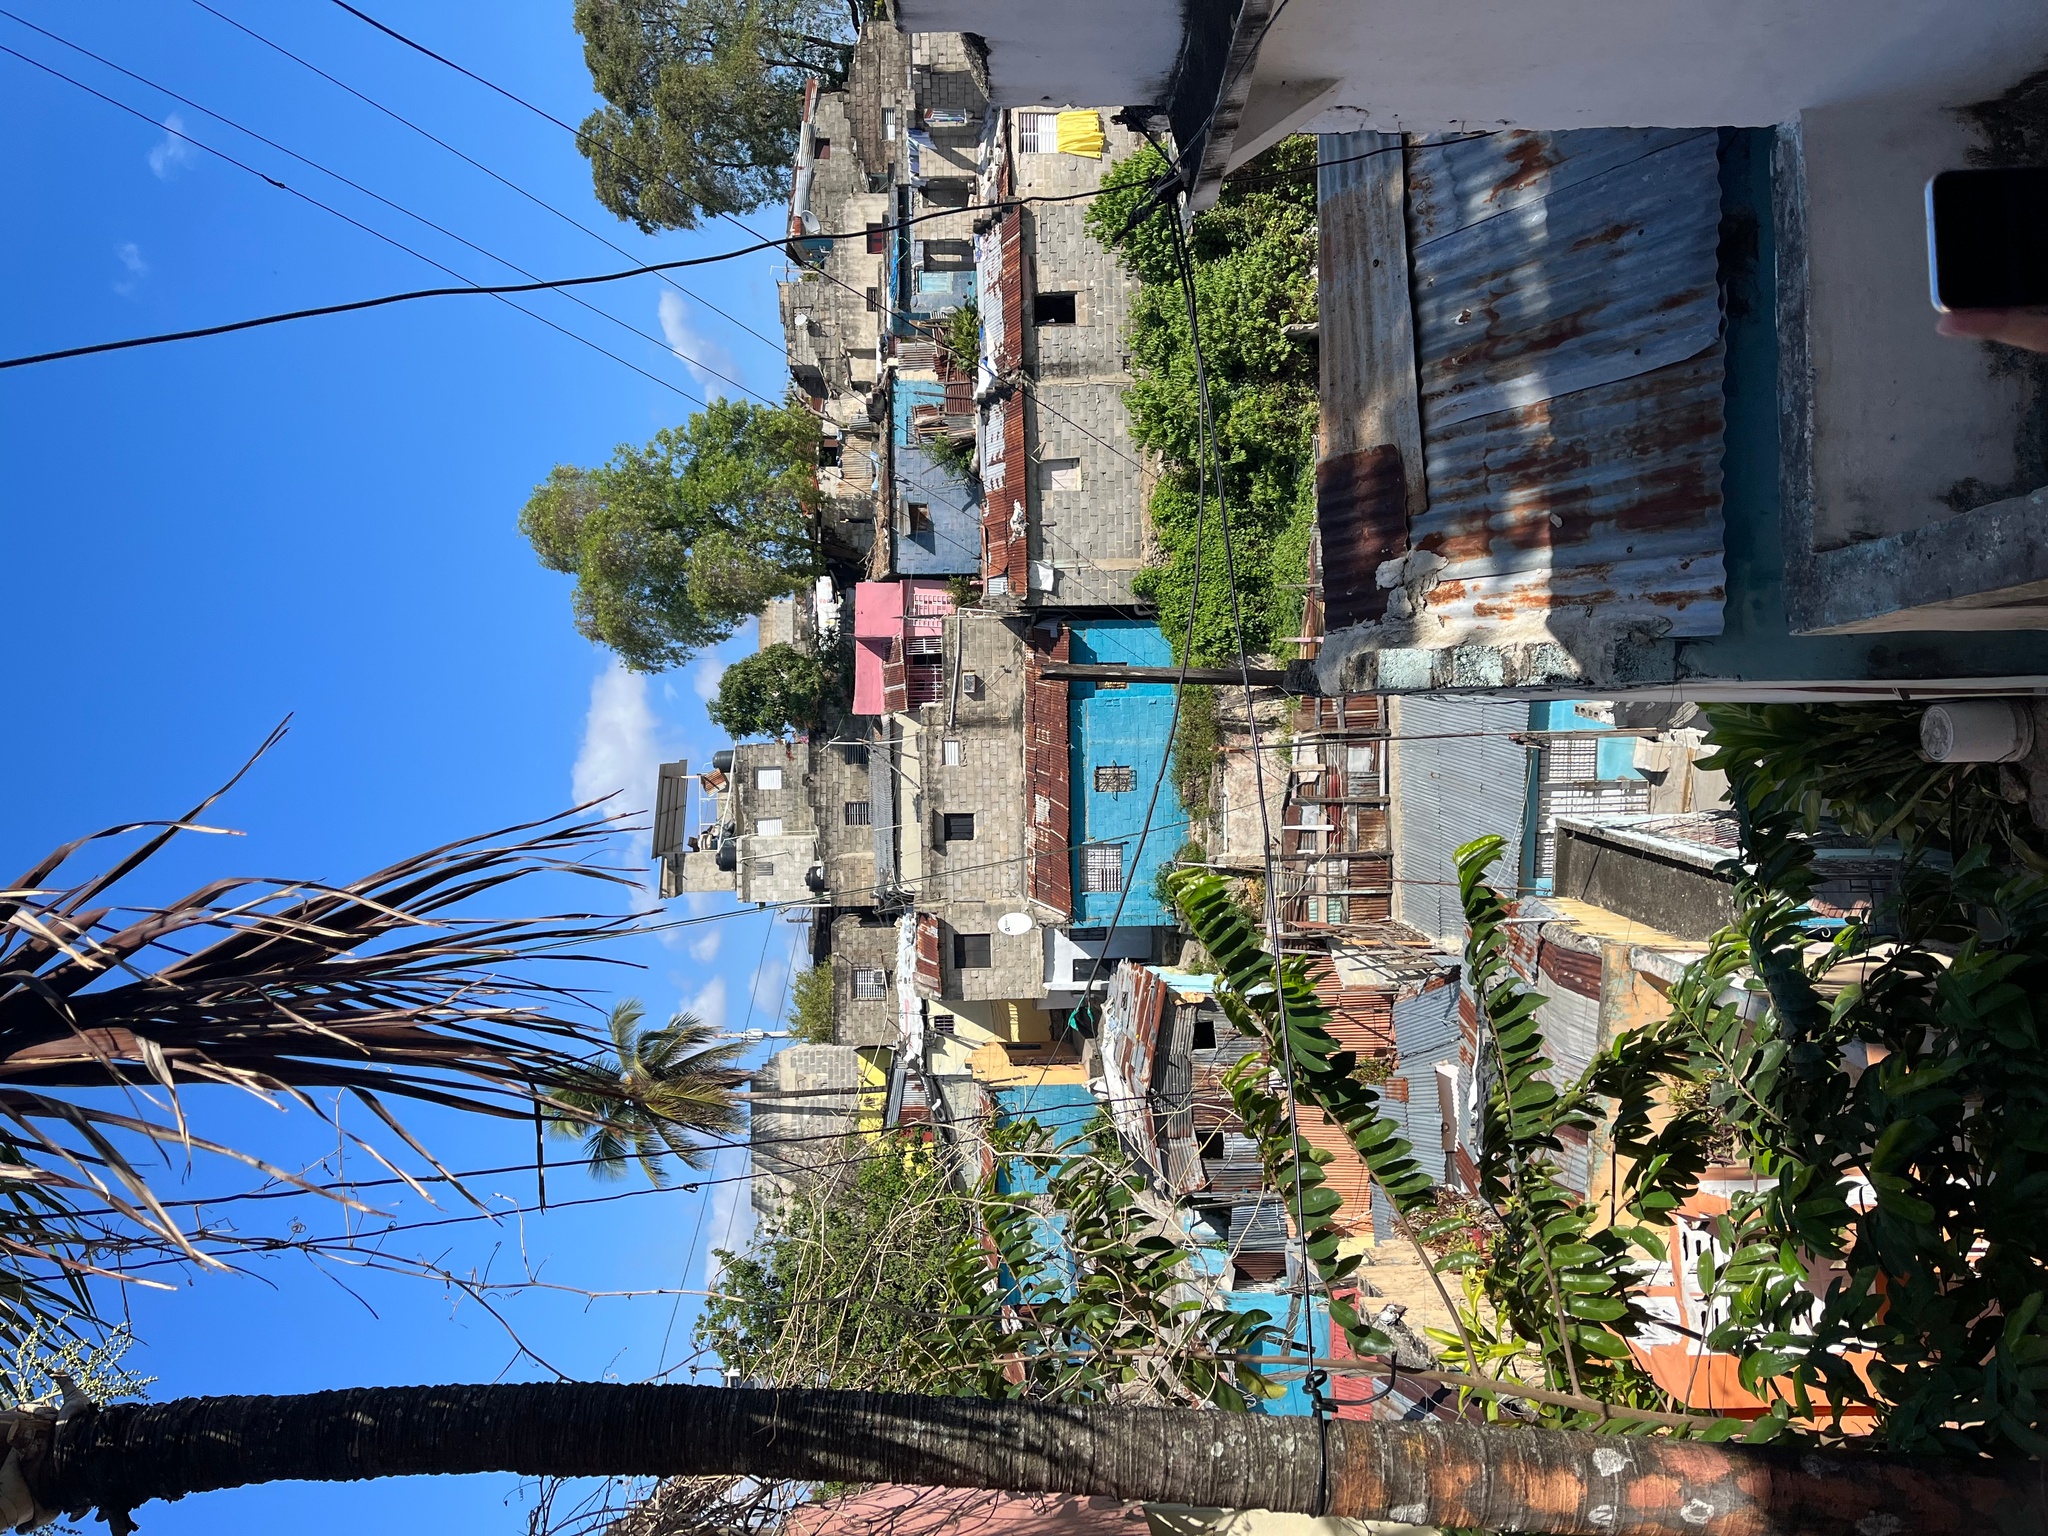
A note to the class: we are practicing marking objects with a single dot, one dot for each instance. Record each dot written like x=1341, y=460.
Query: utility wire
x=598, y=235
x=369, y=193
x=494, y=291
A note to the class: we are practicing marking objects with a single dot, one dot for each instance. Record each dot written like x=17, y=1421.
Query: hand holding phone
x=1987, y=254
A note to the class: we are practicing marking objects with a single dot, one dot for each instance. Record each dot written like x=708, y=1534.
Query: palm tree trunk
x=1488, y=1478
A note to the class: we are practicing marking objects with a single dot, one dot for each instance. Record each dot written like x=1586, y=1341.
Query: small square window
x=1087, y=968
x=1038, y=133
x=877, y=242
x=888, y=124
x=970, y=684
x=1102, y=867
x=944, y=1024
x=1059, y=474
x=860, y=813
x=870, y=984
x=952, y=753
x=767, y=778
x=959, y=826
x=768, y=826
x=1055, y=309
x=1114, y=779
x=821, y=149
x=920, y=515
x=971, y=952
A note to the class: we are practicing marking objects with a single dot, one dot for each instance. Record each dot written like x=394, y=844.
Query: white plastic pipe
x=1977, y=731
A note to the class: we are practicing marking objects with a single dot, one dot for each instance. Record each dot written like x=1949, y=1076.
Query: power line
x=497, y=291
x=369, y=193
x=467, y=159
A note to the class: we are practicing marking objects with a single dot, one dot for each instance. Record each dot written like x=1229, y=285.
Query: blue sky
x=318, y=520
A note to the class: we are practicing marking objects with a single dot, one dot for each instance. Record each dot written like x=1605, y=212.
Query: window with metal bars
x=860, y=813
x=957, y=826
x=1114, y=779
x=1038, y=133
x=1102, y=867
x=870, y=984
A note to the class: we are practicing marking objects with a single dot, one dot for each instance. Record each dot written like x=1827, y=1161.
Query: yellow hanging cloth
x=1080, y=133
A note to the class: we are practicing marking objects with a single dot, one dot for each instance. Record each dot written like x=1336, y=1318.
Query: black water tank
x=722, y=761
x=728, y=856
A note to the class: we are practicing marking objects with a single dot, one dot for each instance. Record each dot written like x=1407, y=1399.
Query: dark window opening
x=878, y=235
x=943, y=1023
x=1205, y=1040
x=920, y=514
x=1054, y=309
x=1114, y=779
x=959, y=826
x=860, y=813
x=971, y=952
x=821, y=149
x=1087, y=968
x=828, y=454
x=1088, y=935
x=874, y=300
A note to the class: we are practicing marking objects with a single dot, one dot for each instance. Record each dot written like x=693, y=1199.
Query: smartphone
x=1987, y=238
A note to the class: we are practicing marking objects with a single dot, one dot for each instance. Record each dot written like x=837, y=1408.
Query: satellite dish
x=1014, y=923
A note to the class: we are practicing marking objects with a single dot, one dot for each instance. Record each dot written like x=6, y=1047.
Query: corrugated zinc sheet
x=1569, y=376
x=1458, y=774
x=1426, y=1032
x=1046, y=770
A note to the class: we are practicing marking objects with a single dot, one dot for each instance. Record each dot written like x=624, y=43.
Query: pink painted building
x=898, y=644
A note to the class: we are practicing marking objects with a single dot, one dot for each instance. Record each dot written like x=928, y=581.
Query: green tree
x=776, y=689
x=704, y=99
x=847, y=1288
x=810, y=1004
x=676, y=544
x=643, y=1101
x=1252, y=256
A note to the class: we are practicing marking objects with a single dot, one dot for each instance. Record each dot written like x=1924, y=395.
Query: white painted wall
x=1900, y=414
x=1424, y=66
x=1063, y=52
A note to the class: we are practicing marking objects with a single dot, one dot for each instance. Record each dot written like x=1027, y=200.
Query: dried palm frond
x=383, y=987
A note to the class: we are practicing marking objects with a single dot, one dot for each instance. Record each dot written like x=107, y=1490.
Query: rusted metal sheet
x=1130, y=1038
x=1599, y=508
x=1362, y=513
x=1567, y=319
x=1576, y=283
x=1048, y=770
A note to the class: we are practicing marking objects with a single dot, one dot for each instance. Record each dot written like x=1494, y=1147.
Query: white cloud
x=769, y=1002
x=129, y=254
x=704, y=948
x=704, y=677
x=702, y=356
x=622, y=748
x=709, y=1003
x=174, y=153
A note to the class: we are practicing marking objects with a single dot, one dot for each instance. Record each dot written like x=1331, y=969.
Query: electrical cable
x=506, y=181
x=473, y=288
x=378, y=197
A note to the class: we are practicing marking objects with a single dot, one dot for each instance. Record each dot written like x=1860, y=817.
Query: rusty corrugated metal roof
x=1568, y=373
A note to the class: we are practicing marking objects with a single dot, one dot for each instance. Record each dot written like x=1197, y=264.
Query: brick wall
x=863, y=940
x=988, y=781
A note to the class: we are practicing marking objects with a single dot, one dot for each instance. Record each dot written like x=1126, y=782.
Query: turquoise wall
x=1131, y=727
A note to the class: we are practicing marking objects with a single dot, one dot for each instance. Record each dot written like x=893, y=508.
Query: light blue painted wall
x=952, y=546
x=1617, y=756
x=1132, y=726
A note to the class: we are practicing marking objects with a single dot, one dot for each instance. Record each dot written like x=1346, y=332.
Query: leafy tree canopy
x=1252, y=256
x=847, y=1288
x=676, y=544
x=703, y=100
x=778, y=688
